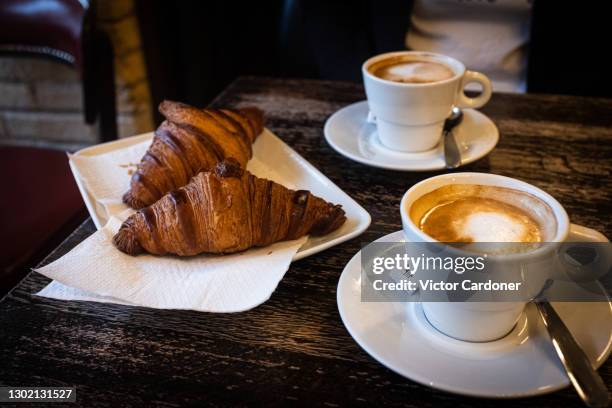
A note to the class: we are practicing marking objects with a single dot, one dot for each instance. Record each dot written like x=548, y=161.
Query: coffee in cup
x=410, y=94
x=477, y=207
x=482, y=213
x=410, y=71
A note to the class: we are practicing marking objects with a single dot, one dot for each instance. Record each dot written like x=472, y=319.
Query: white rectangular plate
x=272, y=159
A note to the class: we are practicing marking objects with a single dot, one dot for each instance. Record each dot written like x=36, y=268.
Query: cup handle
x=599, y=257
x=465, y=101
x=578, y=233
x=371, y=118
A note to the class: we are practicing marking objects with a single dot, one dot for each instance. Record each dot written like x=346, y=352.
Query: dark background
x=195, y=48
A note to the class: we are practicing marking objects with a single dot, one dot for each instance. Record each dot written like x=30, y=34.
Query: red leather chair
x=40, y=203
x=39, y=206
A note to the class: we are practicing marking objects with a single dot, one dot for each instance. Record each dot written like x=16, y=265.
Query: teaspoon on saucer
x=585, y=379
x=452, y=154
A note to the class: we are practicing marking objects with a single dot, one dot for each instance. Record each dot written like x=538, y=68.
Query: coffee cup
x=411, y=93
x=486, y=320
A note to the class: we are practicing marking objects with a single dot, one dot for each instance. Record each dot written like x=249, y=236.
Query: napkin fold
x=96, y=271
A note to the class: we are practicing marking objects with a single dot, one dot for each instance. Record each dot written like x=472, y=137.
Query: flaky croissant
x=223, y=211
x=189, y=141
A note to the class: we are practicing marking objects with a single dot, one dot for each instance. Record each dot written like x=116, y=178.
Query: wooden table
x=294, y=348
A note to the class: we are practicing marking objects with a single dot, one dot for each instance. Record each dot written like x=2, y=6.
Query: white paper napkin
x=107, y=176
x=96, y=271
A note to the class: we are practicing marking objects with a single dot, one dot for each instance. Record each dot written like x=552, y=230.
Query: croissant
x=189, y=141
x=223, y=211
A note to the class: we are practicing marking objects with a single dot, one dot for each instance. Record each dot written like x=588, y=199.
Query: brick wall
x=41, y=100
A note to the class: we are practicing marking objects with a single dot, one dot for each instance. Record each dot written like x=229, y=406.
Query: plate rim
x=364, y=217
x=444, y=387
x=334, y=117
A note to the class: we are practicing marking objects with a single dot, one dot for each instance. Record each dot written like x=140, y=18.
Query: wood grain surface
x=294, y=350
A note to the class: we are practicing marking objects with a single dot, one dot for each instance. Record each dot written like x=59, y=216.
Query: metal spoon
x=583, y=376
x=452, y=155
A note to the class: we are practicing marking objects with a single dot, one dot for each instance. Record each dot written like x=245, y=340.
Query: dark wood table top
x=294, y=348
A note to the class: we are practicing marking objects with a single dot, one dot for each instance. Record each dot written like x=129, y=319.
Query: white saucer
x=521, y=364
x=350, y=135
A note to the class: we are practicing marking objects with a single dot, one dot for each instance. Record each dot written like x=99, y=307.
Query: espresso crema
x=410, y=71
x=478, y=213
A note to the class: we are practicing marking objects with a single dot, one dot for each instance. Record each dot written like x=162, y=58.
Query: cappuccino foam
x=476, y=213
x=411, y=71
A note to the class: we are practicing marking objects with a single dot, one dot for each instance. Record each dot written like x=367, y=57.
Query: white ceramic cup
x=409, y=116
x=486, y=321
